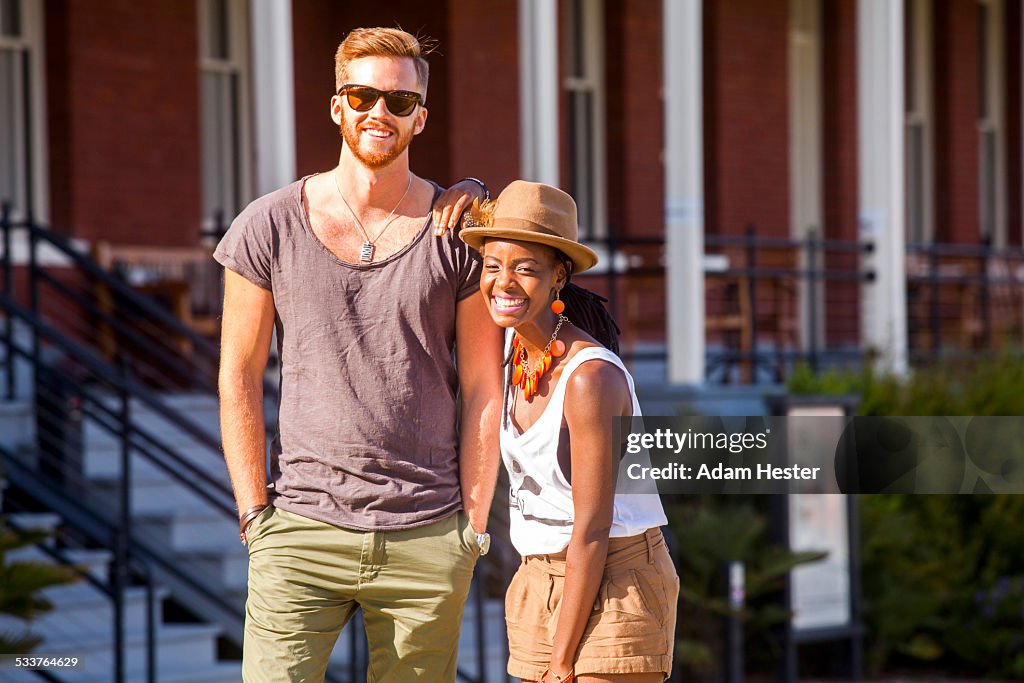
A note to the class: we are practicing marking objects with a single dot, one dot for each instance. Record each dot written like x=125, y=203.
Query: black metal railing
x=764, y=299
x=964, y=299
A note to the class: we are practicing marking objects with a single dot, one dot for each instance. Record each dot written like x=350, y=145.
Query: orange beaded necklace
x=522, y=376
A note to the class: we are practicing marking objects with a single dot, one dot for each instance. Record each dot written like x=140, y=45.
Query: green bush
x=711, y=532
x=20, y=586
x=942, y=576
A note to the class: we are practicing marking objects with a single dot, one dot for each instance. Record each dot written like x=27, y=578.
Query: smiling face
x=519, y=281
x=377, y=137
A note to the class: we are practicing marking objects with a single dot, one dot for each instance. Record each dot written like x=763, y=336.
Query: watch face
x=484, y=541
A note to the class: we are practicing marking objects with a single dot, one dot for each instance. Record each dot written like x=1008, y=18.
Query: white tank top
x=540, y=499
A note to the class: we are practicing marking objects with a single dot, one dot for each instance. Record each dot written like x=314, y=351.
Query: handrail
x=172, y=364
x=109, y=374
x=113, y=589
x=95, y=527
x=91, y=268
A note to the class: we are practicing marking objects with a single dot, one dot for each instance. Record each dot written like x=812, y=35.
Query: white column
x=273, y=94
x=881, y=178
x=684, y=189
x=538, y=90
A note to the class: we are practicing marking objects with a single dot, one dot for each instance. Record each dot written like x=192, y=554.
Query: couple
x=375, y=499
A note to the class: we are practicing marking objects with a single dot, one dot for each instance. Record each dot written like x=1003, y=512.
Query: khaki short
x=306, y=579
x=632, y=629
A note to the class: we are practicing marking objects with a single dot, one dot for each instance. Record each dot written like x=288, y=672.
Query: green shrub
x=711, y=532
x=942, y=576
x=20, y=586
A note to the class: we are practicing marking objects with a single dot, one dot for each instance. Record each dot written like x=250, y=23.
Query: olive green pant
x=306, y=578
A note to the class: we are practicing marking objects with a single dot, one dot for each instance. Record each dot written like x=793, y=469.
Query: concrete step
x=188, y=531
x=225, y=672
x=154, y=495
x=82, y=606
x=36, y=521
x=181, y=649
x=95, y=562
x=17, y=423
x=199, y=409
x=104, y=461
x=230, y=568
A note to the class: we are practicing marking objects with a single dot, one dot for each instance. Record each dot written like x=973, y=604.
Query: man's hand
x=452, y=202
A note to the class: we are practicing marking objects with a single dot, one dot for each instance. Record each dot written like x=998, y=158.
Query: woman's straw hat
x=531, y=212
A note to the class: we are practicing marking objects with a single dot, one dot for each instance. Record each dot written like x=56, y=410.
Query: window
x=223, y=62
x=584, y=87
x=22, y=153
x=918, y=121
x=991, y=163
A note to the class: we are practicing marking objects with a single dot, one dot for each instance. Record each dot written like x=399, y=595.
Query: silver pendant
x=366, y=253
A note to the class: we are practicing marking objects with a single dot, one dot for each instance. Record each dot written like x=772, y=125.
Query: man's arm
x=478, y=344
x=245, y=344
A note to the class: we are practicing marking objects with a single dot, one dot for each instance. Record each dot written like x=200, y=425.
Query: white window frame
x=237, y=64
x=30, y=42
x=806, y=146
x=992, y=127
x=919, y=121
x=583, y=21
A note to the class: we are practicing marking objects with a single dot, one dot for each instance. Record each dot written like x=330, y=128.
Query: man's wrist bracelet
x=482, y=184
x=247, y=517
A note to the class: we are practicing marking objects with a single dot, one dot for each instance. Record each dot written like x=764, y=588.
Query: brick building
x=704, y=141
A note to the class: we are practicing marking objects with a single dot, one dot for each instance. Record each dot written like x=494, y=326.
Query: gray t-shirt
x=366, y=435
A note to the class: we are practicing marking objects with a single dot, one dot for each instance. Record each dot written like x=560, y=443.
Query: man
x=364, y=498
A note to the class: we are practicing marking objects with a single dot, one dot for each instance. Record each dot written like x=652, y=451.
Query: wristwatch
x=484, y=541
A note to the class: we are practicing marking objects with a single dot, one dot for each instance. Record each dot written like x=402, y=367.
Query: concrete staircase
x=81, y=626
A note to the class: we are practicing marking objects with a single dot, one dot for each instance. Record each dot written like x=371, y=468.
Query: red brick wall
x=956, y=121
x=839, y=57
x=316, y=34
x=318, y=26
x=635, y=117
x=123, y=101
x=483, y=114
x=746, y=114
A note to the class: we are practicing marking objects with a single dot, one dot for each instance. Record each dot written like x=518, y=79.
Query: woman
x=595, y=595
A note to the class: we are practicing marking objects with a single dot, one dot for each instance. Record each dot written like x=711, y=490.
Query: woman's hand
x=449, y=206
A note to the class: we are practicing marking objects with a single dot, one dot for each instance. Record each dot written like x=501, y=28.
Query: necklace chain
x=528, y=380
x=369, y=246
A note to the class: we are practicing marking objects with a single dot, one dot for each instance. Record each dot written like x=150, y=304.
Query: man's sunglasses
x=364, y=98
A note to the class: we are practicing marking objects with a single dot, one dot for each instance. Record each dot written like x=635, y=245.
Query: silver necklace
x=367, y=250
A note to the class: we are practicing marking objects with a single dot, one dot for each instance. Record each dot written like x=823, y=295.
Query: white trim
x=682, y=46
x=538, y=90
x=995, y=122
x=920, y=114
x=32, y=41
x=235, y=64
x=273, y=94
x=591, y=81
x=880, y=170
x=806, y=156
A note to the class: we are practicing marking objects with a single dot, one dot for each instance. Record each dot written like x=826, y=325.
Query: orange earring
x=557, y=306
